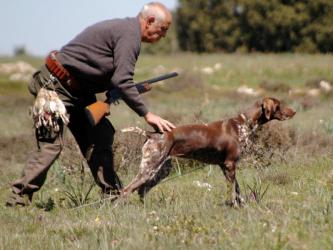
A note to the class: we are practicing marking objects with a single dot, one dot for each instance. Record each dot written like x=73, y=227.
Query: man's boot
x=19, y=200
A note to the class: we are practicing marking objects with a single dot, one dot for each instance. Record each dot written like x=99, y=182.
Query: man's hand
x=158, y=122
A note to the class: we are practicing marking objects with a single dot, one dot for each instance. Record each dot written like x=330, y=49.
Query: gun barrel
x=159, y=78
x=115, y=95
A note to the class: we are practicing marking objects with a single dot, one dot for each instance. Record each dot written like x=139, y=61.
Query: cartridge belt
x=61, y=73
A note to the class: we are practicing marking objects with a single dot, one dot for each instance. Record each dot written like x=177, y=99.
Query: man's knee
x=52, y=145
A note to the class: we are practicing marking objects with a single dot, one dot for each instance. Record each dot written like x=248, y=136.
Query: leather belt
x=59, y=71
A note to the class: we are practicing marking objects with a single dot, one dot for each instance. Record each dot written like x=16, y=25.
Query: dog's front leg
x=240, y=200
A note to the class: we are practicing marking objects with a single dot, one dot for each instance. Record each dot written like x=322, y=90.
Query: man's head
x=155, y=20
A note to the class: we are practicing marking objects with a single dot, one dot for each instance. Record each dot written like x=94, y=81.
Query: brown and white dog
x=220, y=142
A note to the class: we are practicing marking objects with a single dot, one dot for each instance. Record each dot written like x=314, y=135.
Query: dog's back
x=208, y=143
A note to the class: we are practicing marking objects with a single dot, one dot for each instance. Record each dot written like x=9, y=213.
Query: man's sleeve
x=126, y=52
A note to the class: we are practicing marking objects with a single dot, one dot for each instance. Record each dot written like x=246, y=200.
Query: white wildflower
x=203, y=185
x=152, y=212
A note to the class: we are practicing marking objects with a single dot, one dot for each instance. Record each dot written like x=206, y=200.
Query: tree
x=20, y=51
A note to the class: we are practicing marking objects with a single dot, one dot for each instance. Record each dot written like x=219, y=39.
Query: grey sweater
x=103, y=57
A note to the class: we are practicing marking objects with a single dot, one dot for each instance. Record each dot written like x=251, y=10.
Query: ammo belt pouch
x=59, y=71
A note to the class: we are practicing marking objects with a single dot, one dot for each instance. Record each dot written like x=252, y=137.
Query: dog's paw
x=240, y=201
x=231, y=203
x=237, y=203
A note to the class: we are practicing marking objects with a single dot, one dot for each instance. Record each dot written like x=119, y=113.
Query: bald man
x=99, y=59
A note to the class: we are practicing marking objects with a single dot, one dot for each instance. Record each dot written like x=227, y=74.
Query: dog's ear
x=268, y=106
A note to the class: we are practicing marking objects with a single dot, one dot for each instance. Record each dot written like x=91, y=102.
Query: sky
x=44, y=25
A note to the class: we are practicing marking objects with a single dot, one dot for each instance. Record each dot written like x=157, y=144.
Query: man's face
x=154, y=30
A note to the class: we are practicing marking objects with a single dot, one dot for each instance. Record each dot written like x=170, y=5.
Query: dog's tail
x=135, y=130
x=146, y=134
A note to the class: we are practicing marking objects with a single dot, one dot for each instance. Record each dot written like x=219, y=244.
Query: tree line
x=250, y=25
x=255, y=25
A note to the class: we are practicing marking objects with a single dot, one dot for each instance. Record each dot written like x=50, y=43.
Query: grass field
x=287, y=180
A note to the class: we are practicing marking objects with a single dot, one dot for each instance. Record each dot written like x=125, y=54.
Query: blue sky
x=44, y=25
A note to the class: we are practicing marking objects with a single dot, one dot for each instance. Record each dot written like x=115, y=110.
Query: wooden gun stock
x=96, y=111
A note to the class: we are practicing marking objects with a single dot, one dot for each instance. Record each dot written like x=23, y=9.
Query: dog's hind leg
x=146, y=175
x=154, y=154
x=162, y=173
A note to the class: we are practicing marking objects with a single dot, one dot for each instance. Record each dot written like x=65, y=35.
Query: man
x=101, y=58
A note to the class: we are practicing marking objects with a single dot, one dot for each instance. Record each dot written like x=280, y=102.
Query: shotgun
x=96, y=111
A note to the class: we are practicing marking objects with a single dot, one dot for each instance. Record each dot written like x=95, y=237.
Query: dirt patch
x=273, y=86
x=15, y=149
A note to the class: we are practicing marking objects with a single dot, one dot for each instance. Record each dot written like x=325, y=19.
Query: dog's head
x=272, y=109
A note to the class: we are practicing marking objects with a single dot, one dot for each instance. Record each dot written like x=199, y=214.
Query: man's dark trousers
x=95, y=143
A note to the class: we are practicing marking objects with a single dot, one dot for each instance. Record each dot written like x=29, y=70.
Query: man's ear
x=268, y=107
x=150, y=20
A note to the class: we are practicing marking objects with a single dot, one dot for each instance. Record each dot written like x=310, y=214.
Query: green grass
x=295, y=212
x=178, y=214
x=239, y=69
